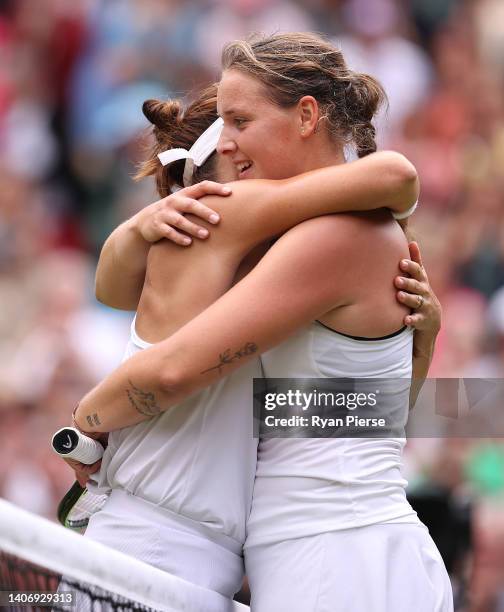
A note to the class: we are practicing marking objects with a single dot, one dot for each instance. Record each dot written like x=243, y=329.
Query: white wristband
x=406, y=214
x=70, y=443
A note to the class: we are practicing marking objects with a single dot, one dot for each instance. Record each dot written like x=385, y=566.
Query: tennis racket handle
x=70, y=443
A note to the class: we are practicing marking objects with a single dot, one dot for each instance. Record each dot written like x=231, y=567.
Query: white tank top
x=197, y=459
x=306, y=486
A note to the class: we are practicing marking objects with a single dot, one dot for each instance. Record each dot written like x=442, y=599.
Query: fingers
x=412, y=292
x=416, y=293
x=414, y=269
x=168, y=232
x=414, y=320
x=414, y=266
x=82, y=471
x=82, y=480
x=171, y=221
x=189, y=227
x=410, y=285
x=415, y=254
x=207, y=188
x=103, y=439
x=164, y=218
x=411, y=300
x=190, y=205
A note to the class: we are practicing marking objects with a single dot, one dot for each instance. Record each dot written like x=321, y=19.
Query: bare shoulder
x=336, y=234
x=343, y=246
x=311, y=253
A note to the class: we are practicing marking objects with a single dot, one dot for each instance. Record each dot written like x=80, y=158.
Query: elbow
x=173, y=384
x=409, y=182
x=104, y=298
x=169, y=382
x=177, y=379
x=100, y=294
x=405, y=179
x=100, y=288
x=405, y=169
x=114, y=299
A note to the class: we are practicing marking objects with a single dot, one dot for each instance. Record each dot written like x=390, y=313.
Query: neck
x=321, y=155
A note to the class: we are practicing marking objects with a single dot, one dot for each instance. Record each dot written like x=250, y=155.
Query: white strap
x=197, y=155
x=171, y=155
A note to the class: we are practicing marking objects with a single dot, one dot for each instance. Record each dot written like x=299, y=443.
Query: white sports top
x=310, y=486
x=197, y=459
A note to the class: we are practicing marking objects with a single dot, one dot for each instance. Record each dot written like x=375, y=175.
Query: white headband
x=197, y=155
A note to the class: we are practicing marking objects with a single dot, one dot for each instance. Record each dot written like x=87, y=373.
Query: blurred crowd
x=73, y=76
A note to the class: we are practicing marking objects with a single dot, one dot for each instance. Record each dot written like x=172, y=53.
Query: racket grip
x=70, y=443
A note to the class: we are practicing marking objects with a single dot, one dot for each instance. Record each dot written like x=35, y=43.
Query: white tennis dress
x=181, y=483
x=331, y=529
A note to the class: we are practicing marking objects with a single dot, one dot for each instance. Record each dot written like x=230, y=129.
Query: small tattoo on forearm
x=143, y=401
x=93, y=420
x=227, y=357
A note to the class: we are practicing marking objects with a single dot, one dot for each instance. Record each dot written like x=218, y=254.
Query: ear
x=309, y=114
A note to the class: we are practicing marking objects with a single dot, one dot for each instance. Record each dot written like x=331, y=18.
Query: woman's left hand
x=416, y=293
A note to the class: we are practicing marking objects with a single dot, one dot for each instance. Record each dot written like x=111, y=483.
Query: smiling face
x=262, y=139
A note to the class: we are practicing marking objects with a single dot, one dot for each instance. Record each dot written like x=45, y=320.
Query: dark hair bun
x=163, y=115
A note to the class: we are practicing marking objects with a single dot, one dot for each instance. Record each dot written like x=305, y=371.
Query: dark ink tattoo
x=143, y=401
x=227, y=357
x=90, y=421
x=96, y=419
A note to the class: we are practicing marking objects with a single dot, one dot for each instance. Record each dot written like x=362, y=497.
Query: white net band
x=49, y=545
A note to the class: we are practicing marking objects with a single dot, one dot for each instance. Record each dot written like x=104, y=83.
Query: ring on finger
x=421, y=301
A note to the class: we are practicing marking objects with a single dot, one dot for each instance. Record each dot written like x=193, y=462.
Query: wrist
x=137, y=243
x=133, y=225
x=424, y=343
x=78, y=420
x=429, y=334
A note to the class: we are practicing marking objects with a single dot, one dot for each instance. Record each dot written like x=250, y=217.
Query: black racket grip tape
x=70, y=443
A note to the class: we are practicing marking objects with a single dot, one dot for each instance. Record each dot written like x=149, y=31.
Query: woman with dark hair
x=290, y=106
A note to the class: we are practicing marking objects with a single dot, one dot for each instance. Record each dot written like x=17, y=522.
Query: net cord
x=47, y=544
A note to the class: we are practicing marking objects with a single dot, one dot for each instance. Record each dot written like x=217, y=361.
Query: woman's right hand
x=164, y=218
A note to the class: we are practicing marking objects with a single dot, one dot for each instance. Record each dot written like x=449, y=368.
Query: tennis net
x=45, y=566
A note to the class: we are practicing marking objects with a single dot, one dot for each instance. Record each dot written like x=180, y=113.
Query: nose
x=225, y=143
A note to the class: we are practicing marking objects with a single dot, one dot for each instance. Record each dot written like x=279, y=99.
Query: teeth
x=243, y=166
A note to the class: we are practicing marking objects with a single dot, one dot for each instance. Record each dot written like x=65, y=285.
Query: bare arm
x=260, y=209
x=423, y=350
x=293, y=272
x=121, y=268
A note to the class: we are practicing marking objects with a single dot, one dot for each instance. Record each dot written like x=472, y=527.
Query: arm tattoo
x=227, y=357
x=143, y=402
x=93, y=420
